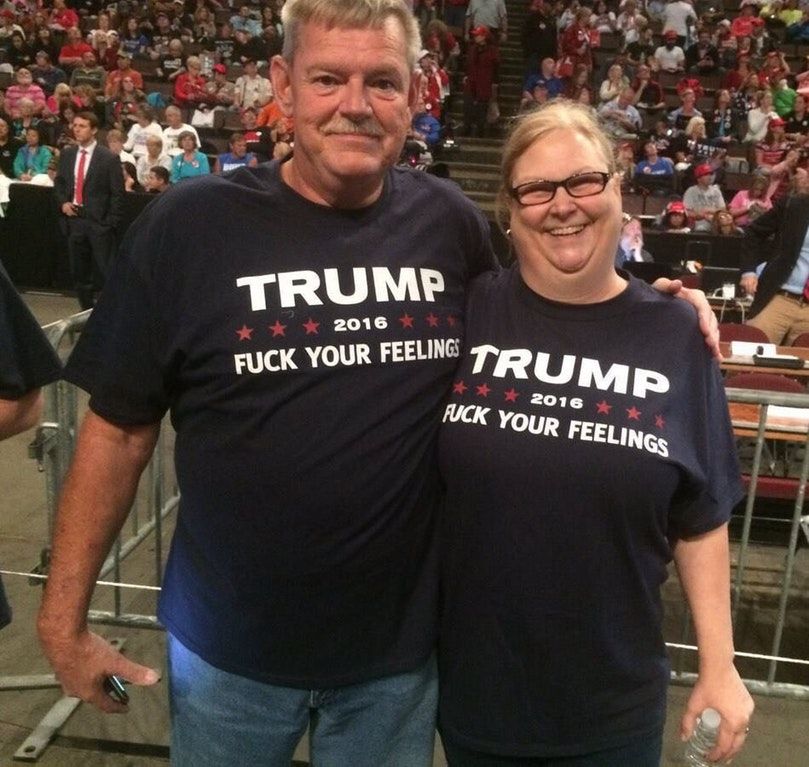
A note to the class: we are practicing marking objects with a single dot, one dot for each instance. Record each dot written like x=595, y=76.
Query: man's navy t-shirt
x=304, y=353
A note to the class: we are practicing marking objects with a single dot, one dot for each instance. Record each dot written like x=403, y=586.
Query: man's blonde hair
x=350, y=14
x=559, y=114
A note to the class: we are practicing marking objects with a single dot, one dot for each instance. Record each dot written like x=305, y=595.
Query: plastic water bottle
x=703, y=739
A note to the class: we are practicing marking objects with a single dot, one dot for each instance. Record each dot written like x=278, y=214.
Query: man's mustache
x=368, y=127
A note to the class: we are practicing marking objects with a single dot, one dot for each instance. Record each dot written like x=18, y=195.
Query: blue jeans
x=218, y=718
x=643, y=752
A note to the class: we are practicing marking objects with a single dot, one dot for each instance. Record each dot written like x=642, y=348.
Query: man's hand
x=68, y=209
x=83, y=662
x=749, y=283
x=726, y=693
x=707, y=319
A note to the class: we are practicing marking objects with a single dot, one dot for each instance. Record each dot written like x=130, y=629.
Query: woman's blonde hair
x=559, y=114
x=693, y=124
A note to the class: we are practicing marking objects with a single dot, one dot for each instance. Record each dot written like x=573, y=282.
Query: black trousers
x=91, y=248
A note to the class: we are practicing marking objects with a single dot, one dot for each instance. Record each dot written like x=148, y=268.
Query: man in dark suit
x=630, y=246
x=781, y=295
x=89, y=189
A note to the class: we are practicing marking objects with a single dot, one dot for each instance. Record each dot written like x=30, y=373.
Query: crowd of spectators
x=695, y=98
x=708, y=108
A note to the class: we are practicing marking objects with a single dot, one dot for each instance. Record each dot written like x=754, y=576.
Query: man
x=89, y=190
x=487, y=13
x=654, y=172
x=538, y=36
x=481, y=81
x=678, y=15
x=175, y=126
x=90, y=72
x=252, y=90
x=340, y=493
x=703, y=199
x=244, y=22
x=237, y=157
x=219, y=90
x=70, y=54
x=157, y=180
x=702, y=58
x=620, y=117
x=630, y=246
x=545, y=77
x=670, y=56
x=780, y=303
x=123, y=71
x=45, y=74
x=27, y=362
x=303, y=333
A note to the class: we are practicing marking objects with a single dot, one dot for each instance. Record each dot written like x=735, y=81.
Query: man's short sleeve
x=27, y=360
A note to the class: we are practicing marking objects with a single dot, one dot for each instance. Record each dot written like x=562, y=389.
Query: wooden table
x=732, y=364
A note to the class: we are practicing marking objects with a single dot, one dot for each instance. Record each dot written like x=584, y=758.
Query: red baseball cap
x=221, y=68
x=481, y=30
x=703, y=170
x=675, y=207
x=670, y=34
x=776, y=122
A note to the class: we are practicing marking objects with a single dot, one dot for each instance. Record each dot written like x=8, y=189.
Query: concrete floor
x=780, y=730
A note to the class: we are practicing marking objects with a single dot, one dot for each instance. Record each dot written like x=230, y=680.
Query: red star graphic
x=483, y=390
x=432, y=320
x=244, y=333
x=311, y=327
x=603, y=407
x=451, y=321
x=633, y=414
x=511, y=395
x=406, y=320
x=277, y=329
x=459, y=387
x=659, y=421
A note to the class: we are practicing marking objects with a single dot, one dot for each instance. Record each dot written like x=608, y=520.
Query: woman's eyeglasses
x=542, y=191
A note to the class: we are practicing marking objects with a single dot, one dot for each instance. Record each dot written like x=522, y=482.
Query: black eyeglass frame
x=565, y=182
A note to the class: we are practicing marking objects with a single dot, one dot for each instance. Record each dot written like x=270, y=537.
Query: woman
x=748, y=204
x=578, y=84
x=132, y=40
x=723, y=224
x=723, y=127
x=759, y=117
x=575, y=42
x=614, y=85
x=551, y=642
x=20, y=54
x=679, y=118
x=125, y=104
x=603, y=19
x=773, y=149
x=674, y=219
x=189, y=87
x=190, y=162
x=154, y=156
x=9, y=146
x=32, y=158
x=798, y=121
x=648, y=93
x=145, y=125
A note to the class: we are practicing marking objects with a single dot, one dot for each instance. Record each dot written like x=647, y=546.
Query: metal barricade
x=53, y=447
x=765, y=429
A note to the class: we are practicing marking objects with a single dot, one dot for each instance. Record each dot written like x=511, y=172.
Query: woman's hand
x=724, y=691
x=707, y=319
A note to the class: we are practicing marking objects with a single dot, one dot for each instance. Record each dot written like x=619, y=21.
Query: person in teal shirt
x=33, y=158
x=191, y=162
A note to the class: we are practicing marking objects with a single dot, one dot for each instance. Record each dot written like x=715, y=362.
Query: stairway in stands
x=475, y=167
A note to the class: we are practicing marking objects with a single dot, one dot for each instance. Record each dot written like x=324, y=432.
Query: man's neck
x=360, y=195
